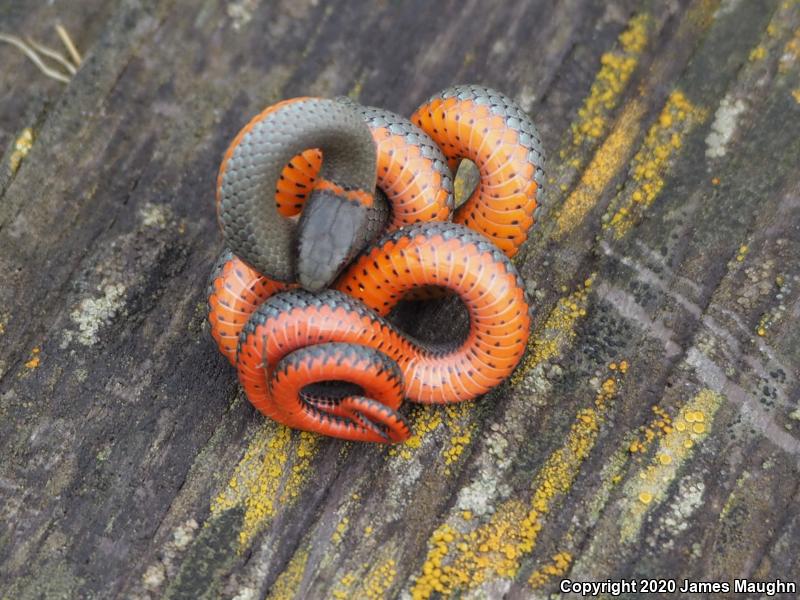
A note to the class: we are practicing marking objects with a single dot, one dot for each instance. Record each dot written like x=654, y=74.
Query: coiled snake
x=285, y=339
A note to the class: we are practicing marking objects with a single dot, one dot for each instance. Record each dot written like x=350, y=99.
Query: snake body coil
x=491, y=130
x=285, y=342
x=251, y=171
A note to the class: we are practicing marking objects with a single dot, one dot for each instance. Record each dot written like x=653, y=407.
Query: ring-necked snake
x=285, y=342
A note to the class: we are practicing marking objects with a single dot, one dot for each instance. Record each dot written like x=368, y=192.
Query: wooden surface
x=653, y=431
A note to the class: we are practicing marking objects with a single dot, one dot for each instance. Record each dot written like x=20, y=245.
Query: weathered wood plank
x=665, y=273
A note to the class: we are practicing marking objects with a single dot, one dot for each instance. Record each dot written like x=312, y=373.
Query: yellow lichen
x=341, y=529
x=658, y=427
x=378, y=580
x=342, y=590
x=288, y=582
x=742, y=253
x=557, y=332
x=305, y=450
x=604, y=166
x=791, y=53
x=454, y=418
x=758, y=53
x=733, y=497
x=271, y=473
x=557, y=568
x=616, y=68
x=673, y=450
x=424, y=420
x=460, y=433
x=652, y=161
x=593, y=121
x=371, y=583
x=772, y=30
x=466, y=557
x=22, y=145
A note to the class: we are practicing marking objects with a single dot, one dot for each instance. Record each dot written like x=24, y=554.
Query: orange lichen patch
x=466, y=556
x=558, y=330
x=557, y=568
x=616, y=68
x=270, y=474
x=606, y=163
x=287, y=584
x=658, y=427
x=648, y=489
x=652, y=162
x=22, y=145
x=34, y=360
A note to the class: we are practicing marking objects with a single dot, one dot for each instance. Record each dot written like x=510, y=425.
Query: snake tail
x=442, y=254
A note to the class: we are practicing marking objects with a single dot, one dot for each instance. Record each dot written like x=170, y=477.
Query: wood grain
x=653, y=431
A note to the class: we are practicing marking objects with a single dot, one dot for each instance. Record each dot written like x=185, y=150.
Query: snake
x=286, y=337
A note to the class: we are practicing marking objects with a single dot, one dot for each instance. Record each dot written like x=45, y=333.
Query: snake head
x=331, y=233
